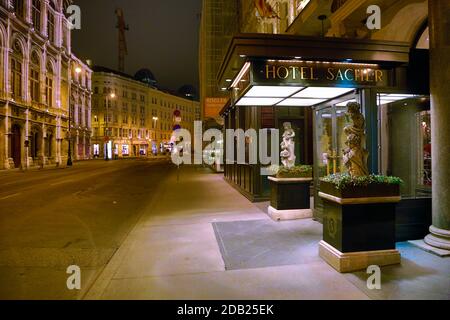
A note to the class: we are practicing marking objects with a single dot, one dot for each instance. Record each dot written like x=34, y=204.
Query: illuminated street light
x=112, y=95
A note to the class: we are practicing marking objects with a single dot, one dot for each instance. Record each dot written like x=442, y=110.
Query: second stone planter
x=290, y=198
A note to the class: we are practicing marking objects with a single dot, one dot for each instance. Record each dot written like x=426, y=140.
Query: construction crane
x=123, y=50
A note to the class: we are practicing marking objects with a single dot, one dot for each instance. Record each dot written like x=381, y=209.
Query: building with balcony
x=36, y=84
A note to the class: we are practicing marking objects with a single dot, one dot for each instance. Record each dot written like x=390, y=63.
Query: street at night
x=51, y=219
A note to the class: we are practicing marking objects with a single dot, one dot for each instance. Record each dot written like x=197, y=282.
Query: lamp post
x=155, y=119
x=69, y=151
x=112, y=96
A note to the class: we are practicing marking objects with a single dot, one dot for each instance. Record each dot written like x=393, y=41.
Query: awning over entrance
x=287, y=47
x=283, y=70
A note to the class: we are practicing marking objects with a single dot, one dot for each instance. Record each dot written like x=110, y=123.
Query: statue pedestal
x=290, y=198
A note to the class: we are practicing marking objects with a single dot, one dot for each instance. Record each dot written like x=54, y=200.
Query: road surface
x=53, y=218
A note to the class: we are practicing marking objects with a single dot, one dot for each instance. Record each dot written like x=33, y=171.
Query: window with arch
x=51, y=22
x=16, y=71
x=19, y=8
x=49, y=144
x=36, y=14
x=34, y=78
x=86, y=119
x=49, y=85
x=80, y=112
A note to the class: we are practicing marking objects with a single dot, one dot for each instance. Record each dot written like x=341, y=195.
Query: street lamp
x=112, y=96
x=69, y=151
x=155, y=119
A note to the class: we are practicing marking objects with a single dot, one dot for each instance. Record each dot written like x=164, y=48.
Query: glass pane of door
x=330, y=143
x=324, y=141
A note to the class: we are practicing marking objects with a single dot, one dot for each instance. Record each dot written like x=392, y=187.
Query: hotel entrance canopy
x=283, y=70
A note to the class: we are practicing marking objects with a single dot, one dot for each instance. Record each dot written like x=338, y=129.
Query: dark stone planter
x=375, y=190
x=290, y=193
x=355, y=222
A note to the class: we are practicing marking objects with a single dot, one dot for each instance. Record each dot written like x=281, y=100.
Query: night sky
x=163, y=37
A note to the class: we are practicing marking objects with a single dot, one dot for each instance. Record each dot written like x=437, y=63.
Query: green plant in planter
x=302, y=171
x=342, y=181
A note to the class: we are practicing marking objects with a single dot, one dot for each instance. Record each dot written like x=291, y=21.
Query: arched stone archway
x=49, y=142
x=36, y=139
x=403, y=24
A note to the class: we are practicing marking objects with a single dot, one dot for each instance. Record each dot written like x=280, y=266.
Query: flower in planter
x=342, y=181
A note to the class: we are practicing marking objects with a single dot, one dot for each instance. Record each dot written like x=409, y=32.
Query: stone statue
x=287, y=146
x=355, y=156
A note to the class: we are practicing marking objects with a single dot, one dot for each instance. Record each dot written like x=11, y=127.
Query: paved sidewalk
x=173, y=253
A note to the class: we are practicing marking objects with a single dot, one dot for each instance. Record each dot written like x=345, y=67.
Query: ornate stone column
x=439, y=23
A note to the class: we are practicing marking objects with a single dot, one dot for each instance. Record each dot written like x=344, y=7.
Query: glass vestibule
x=405, y=142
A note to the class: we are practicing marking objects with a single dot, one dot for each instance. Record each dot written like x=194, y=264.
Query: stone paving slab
x=264, y=243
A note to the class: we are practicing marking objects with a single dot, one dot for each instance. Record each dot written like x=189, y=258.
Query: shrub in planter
x=343, y=185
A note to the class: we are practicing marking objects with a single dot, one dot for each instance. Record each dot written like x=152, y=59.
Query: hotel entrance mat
x=265, y=243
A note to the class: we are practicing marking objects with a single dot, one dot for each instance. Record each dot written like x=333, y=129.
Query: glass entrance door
x=329, y=145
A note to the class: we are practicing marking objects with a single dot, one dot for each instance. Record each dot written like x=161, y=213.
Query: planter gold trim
x=289, y=180
x=354, y=261
x=367, y=200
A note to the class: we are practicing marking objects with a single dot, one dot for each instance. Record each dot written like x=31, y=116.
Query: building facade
x=288, y=35
x=130, y=118
x=35, y=83
x=220, y=20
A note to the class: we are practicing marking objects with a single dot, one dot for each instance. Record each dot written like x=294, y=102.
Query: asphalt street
x=53, y=218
